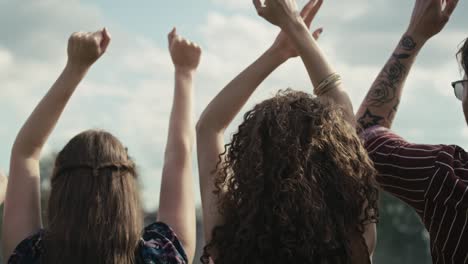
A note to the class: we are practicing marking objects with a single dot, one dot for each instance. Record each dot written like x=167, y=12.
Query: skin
x=285, y=15
x=294, y=40
x=3, y=186
x=177, y=200
x=382, y=101
x=22, y=212
x=465, y=100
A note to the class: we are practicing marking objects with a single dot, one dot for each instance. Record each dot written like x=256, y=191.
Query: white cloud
x=234, y=4
x=340, y=9
x=129, y=92
x=6, y=58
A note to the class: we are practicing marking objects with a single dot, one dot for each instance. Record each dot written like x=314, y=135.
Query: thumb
x=450, y=7
x=106, y=39
x=317, y=33
x=172, y=35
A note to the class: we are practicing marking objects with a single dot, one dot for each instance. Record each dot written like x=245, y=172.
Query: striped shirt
x=433, y=179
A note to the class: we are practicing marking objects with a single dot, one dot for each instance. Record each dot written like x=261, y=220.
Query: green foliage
x=402, y=237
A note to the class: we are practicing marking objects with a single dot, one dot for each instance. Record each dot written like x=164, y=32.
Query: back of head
x=94, y=210
x=295, y=185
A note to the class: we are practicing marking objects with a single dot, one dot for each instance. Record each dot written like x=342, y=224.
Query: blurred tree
x=402, y=237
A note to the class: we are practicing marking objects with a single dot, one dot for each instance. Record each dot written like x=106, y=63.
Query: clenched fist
x=85, y=48
x=185, y=54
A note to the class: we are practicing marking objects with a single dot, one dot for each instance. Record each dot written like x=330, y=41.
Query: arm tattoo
x=369, y=120
x=386, y=88
x=392, y=113
x=408, y=43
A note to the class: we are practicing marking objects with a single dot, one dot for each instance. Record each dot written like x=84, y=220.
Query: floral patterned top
x=158, y=245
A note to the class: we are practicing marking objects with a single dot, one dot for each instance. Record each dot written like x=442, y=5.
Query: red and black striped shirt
x=433, y=179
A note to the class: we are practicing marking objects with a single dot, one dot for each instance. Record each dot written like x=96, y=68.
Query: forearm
x=42, y=121
x=382, y=101
x=181, y=134
x=318, y=67
x=177, y=205
x=227, y=104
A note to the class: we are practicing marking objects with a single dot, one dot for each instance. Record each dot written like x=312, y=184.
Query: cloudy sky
x=129, y=91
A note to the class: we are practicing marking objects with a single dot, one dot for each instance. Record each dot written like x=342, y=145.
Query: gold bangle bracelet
x=329, y=81
x=330, y=87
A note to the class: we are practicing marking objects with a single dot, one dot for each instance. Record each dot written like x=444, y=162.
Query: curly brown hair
x=462, y=55
x=295, y=185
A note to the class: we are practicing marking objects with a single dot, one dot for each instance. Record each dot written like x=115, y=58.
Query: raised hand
x=283, y=44
x=184, y=53
x=430, y=17
x=85, y=48
x=278, y=12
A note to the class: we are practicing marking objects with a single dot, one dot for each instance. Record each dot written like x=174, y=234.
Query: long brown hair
x=295, y=185
x=94, y=210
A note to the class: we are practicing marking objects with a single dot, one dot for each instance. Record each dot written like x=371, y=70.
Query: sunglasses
x=459, y=87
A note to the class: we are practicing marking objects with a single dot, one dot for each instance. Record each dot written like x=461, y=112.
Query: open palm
x=308, y=13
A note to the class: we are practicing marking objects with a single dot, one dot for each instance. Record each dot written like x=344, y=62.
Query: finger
x=106, y=39
x=96, y=36
x=436, y=3
x=317, y=33
x=313, y=12
x=171, y=35
x=257, y=4
x=77, y=35
x=306, y=10
x=259, y=7
x=450, y=7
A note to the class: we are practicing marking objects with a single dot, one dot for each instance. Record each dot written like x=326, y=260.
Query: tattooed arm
x=382, y=101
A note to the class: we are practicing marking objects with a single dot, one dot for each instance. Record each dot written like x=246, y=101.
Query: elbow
x=179, y=150
x=19, y=150
x=205, y=128
x=201, y=126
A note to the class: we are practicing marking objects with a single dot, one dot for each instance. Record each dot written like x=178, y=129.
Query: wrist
x=186, y=72
x=294, y=24
x=278, y=54
x=416, y=37
x=77, y=69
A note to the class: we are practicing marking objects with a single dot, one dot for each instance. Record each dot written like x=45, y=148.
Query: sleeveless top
x=158, y=245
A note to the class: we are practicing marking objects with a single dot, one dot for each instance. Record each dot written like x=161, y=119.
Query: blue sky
x=129, y=91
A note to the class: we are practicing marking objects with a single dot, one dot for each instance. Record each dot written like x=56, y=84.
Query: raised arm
x=221, y=111
x=213, y=122
x=382, y=101
x=177, y=199
x=283, y=13
x=22, y=212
